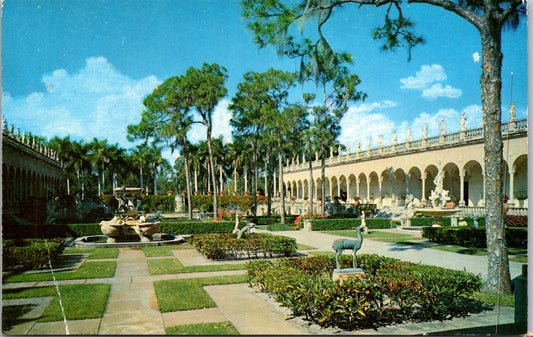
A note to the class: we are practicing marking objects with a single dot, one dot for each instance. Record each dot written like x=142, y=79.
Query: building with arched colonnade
x=31, y=175
x=387, y=174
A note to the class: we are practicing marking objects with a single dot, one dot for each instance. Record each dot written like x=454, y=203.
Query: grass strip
x=188, y=294
x=104, y=253
x=80, y=301
x=174, y=266
x=87, y=270
x=205, y=329
x=155, y=251
x=376, y=235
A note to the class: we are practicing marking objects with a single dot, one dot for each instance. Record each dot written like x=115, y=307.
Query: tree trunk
x=213, y=173
x=195, y=179
x=281, y=189
x=498, y=262
x=254, y=193
x=187, y=179
x=323, y=182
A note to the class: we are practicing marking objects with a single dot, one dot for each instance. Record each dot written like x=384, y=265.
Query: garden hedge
x=30, y=253
x=343, y=224
x=389, y=292
x=472, y=237
x=255, y=245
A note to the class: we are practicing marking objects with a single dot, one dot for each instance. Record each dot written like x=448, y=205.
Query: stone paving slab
x=208, y=315
x=77, y=327
x=249, y=313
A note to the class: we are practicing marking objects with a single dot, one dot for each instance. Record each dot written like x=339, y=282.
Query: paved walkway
x=132, y=308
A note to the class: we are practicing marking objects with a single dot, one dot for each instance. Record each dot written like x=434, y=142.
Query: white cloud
x=96, y=101
x=424, y=77
x=364, y=122
x=221, y=126
x=437, y=90
x=425, y=81
x=361, y=124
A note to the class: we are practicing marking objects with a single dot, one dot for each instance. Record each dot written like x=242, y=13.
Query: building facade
x=31, y=174
x=387, y=174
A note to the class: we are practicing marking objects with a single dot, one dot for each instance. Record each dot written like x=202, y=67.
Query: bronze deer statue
x=341, y=244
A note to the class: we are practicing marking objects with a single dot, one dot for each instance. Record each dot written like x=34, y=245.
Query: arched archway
x=414, y=186
x=519, y=182
x=473, y=183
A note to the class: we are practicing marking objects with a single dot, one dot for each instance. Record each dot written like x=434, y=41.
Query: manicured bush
x=243, y=202
x=389, y=292
x=343, y=224
x=30, y=253
x=256, y=245
x=193, y=227
x=264, y=220
x=472, y=237
x=515, y=220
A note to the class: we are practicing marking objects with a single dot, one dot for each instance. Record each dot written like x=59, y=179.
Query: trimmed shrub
x=515, y=220
x=264, y=220
x=389, y=292
x=30, y=253
x=256, y=245
x=343, y=224
x=471, y=237
x=183, y=227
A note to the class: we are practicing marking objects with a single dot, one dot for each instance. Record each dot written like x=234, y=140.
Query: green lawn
x=95, y=253
x=174, y=266
x=80, y=301
x=87, y=270
x=204, y=329
x=155, y=251
x=391, y=237
x=188, y=294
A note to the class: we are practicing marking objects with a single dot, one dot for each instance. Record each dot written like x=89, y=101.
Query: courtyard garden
x=296, y=276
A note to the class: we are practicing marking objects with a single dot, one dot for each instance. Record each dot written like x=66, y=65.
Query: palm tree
x=140, y=158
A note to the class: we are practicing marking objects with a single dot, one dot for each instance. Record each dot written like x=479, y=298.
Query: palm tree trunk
x=195, y=179
x=323, y=182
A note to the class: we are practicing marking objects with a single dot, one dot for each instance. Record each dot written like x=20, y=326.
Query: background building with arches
x=387, y=174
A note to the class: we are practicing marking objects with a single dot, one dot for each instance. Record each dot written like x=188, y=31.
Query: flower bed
x=256, y=245
x=389, y=292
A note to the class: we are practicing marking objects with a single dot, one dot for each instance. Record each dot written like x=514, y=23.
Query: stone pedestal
x=344, y=274
x=307, y=225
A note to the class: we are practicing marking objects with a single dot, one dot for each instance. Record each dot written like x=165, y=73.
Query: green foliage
x=30, y=253
x=152, y=203
x=243, y=202
x=341, y=224
x=227, y=246
x=389, y=292
x=262, y=220
x=471, y=237
x=196, y=227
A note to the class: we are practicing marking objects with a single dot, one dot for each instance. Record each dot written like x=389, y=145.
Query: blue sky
x=82, y=68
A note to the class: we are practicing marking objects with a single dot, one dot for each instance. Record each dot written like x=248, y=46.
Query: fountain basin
x=437, y=214
x=100, y=241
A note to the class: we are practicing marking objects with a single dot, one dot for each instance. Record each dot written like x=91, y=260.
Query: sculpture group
x=128, y=220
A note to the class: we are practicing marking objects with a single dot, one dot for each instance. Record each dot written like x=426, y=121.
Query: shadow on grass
x=13, y=315
x=504, y=329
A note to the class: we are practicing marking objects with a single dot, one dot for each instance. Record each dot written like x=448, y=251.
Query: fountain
x=129, y=225
x=438, y=198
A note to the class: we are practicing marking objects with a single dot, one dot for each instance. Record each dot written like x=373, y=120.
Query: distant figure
x=463, y=122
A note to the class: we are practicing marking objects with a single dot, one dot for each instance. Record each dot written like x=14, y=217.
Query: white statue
x=512, y=112
x=463, y=122
x=425, y=131
x=394, y=138
x=408, y=134
x=442, y=127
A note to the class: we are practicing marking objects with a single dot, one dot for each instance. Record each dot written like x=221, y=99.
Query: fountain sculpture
x=438, y=198
x=128, y=220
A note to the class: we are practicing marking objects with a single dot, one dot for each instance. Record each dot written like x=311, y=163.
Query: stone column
x=424, y=177
x=511, y=201
x=462, y=201
x=368, y=188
